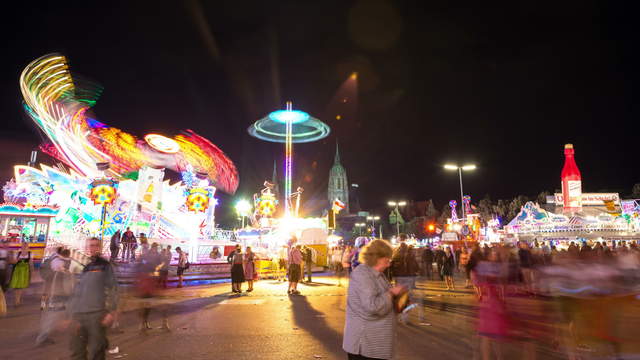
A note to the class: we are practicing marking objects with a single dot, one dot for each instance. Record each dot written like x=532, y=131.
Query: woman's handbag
x=401, y=301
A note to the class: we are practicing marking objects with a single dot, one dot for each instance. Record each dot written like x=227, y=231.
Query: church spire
x=336, y=160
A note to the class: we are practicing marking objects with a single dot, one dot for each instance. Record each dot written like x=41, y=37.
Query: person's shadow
x=313, y=321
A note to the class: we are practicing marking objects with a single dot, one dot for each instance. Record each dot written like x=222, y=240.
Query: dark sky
x=504, y=85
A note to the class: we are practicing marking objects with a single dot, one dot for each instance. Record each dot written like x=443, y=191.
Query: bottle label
x=575, y=193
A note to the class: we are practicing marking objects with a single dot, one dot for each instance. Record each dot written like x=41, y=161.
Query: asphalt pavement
x=208, y=322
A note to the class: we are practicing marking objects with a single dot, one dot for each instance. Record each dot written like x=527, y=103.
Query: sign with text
x=590, y=198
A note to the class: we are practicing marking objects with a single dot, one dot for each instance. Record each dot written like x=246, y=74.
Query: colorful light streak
x=59, y=109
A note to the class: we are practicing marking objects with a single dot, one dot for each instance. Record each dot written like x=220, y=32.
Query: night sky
x=503, y=85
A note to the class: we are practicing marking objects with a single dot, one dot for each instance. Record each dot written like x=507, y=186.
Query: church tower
x=338, y=184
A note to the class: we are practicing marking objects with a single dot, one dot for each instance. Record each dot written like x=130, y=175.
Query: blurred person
x=46, y=274
x=21, y=275
x=130, y=244
x=448, y=264
x=526, y=266
x=492, y=315
x=457, y=253
x=4, y=265
x=404, y=267
x=114, y=245
x=60, y=289
x=282, y=262
x=250, y=270
x=147, y=286
x=295, y=271
x=92, y=306
x=165, y=257
x=144, y=245
x=370, y=322
x=346, y=258
x=237, y=270
x=182, y=265
x=439, y=257
x=462, y=264
x=308, y=261
x=474, y=259
x=427, y=260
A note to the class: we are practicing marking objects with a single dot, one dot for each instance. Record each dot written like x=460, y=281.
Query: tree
x=444, y=214
x=541, y=199
x=431, y=212
x=635, y=191
x=501, y=208
x=486, y=209
x=515, y=205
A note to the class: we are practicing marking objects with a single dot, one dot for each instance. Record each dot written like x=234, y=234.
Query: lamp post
x=360, y=226
x=396, y=205
x=243, y=208
x=373, y=219
x=468, y=167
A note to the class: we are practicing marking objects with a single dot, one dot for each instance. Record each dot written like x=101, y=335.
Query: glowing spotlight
x=162, y=143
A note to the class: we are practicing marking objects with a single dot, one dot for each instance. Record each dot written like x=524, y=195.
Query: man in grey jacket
x=93, y=306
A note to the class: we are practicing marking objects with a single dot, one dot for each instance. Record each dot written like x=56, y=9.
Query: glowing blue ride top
x=305, y=128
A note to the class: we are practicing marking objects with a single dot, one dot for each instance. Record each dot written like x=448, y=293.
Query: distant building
x=338, y=184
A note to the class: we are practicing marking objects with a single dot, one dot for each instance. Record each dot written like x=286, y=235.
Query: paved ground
x=208, y=323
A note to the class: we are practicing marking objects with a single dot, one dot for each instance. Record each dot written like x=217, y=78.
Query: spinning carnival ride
x=144, y=200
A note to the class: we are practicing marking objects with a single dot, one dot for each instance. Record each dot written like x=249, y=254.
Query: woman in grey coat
x=369, y=331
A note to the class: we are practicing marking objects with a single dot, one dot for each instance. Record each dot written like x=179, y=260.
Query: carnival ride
x=100, y=159
x=267, y=232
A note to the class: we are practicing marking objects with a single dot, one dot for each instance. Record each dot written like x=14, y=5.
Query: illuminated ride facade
x=79, y=192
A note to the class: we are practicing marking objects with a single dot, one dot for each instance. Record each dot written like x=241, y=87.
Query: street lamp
x=243, y=208
x=468, y=167
x=373, y=219
x=396, y=205
x=360, y=226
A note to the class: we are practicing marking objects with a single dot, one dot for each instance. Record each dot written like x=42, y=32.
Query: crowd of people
x=575, y=291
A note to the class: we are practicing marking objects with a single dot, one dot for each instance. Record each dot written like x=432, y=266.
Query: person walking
x=346, y=258
x=448, y=265
x=282, y=263
x=250, y=271
x=237, y=270
x=21, y=275
x=439, y=257
x=147, y=286
x=60, y=289
x=129, y=244
x=404, y=269
x=462, y=264
x=93, y=306
x=427, y=260
x=295, y=271
x=46, y=274
x=526, y=265
x=308, y=261
x=165, y=257
x=183, y=265
x=114, y=245
x=4, y=265
x=370, y=322
x=144, y=245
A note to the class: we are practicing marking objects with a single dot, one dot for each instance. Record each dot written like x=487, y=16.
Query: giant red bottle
x=571, y=181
